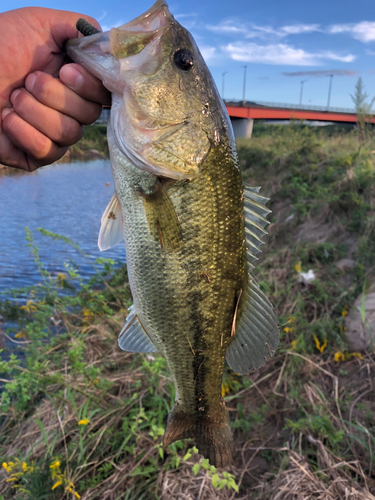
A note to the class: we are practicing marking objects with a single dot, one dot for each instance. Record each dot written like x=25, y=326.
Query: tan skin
x=43, y=101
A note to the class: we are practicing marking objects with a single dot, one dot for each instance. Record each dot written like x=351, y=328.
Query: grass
x=92, y=144
x=79, y=418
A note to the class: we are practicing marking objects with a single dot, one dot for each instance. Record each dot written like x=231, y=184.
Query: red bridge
x=243, y=114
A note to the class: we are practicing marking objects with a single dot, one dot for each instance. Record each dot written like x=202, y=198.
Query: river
x=65, y=198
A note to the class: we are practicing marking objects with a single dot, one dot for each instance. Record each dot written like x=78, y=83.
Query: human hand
x=43, y=103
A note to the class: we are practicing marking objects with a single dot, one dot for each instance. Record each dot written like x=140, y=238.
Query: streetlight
x=244, y=84
x=329, y=91
x=222, y=85
x=301, y=93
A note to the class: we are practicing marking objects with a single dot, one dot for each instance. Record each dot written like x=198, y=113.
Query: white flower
x=306, y=278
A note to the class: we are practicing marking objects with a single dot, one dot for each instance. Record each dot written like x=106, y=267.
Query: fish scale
x=191, y=230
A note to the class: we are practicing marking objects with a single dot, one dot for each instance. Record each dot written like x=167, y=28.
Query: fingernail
x=71, y=76
x=29, y=82
x=5, y=112
x=14, y=94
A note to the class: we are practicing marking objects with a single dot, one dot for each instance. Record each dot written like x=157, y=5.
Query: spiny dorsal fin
x=255, y=212
x=111, y=233
x=133, y=336
x=256, y=332
x=162, y=220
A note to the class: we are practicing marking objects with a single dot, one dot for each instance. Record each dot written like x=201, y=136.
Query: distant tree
x=363, y=108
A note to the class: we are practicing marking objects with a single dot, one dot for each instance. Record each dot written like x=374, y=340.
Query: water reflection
x=68, y=199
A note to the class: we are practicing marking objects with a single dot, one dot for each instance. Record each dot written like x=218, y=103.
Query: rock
x=361, y=334
x=345, y=264
x=95, y=152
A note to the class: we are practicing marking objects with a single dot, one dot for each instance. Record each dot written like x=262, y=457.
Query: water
x=65, y=198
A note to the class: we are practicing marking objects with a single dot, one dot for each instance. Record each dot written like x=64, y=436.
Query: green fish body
x=191, y=229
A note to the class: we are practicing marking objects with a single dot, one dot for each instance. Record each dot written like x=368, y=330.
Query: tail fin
x=212, y=434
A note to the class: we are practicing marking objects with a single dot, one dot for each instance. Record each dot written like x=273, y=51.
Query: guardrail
x=290, y=106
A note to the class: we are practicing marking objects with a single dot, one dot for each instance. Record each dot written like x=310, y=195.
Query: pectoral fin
x=111, y=233
x=162, y=220
x=133, y=336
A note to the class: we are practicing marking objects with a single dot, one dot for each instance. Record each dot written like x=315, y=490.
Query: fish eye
x=183, y=59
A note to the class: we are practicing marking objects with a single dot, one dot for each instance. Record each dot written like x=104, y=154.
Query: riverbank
x=81, y=418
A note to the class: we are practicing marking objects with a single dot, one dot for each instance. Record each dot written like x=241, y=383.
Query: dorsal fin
x=133, y=336
x=111, y=232
x=256, y=332
x=255, y=212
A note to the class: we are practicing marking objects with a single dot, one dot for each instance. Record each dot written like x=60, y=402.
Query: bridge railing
x=292, y=106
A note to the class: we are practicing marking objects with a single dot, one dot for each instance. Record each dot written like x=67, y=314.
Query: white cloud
x=296, y=29
x=231, y=27
x=363, y=31
x=107, y=27
x=102, y=16
x=208, y=53
x=280, y=54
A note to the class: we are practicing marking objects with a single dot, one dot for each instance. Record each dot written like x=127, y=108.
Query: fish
x=191, y=228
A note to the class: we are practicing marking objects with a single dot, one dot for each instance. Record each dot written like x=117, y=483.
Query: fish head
x=166, y=110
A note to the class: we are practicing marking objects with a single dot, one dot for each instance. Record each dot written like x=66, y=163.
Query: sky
x=282, y=43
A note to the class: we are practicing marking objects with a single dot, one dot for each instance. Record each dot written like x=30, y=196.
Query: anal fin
x=256, y=332
x=133, y=337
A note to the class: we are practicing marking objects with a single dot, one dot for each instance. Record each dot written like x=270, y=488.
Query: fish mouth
x=134, y=45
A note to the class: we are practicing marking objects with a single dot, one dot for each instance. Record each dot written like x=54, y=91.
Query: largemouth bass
x=191, y=229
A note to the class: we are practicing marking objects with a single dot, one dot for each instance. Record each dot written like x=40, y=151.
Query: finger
x=54, y=94
x=56, y=126
x=40, y=149
x=10, y=155
x=85, y=84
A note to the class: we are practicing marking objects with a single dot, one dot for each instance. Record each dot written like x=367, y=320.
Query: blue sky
x=281, y=42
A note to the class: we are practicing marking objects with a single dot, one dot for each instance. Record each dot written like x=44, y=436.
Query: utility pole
x=244, y=84
x=301, y=93
x=222, y=84
x=329, y=91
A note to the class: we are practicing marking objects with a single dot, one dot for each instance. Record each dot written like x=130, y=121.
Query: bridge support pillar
x=242, y=127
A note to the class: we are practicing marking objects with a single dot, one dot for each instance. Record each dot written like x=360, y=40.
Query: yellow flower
x=76, y=494
x=55, y=464
x=84, y=421
x=58, y=483
x=288, y=329
x=344, y=312
x=298, y=267
x=8, y=466
x=21, y=335
x=61, y=278
x=357, y=355
x=29, y=307
x=317, y=343
x=224, y=389
x=24, y=466
x=339, y=356
x=294, y=344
